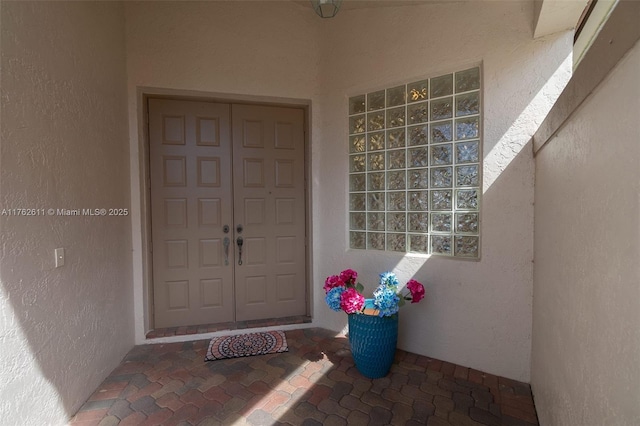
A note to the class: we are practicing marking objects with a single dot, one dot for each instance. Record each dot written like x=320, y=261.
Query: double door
x=227, y=212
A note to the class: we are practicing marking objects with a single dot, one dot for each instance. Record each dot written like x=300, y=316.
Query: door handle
x=226, y=243
x=239, y=241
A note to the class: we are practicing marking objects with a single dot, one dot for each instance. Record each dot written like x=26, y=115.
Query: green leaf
x=359, y=287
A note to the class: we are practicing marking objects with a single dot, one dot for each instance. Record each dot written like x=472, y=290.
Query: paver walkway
x=315, y=383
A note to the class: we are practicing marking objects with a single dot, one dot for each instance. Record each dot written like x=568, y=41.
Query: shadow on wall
x=473, y=318
x=64, y=146
x=64, y=150
x=479, y=314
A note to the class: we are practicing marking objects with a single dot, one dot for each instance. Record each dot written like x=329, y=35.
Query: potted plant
x=373, y=323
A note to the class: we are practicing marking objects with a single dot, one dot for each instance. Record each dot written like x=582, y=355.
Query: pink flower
x=349, y=276
x=332, y=282
x=416, y=289
x=351, y=301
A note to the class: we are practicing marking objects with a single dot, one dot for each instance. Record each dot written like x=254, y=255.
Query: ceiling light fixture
x=326, y=8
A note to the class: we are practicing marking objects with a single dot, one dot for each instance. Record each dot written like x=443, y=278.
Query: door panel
x=191, y=201
x=237, y=165
x=269, y=191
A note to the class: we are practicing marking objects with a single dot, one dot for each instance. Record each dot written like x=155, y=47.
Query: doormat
x=239, y=345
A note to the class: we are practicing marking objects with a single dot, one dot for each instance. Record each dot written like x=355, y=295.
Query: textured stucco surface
x=266, y=49
x=64, y=145
x=586, y=316
x=476, y=313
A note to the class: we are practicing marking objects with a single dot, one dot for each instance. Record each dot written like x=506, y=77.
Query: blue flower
x=333, y=298
x=389, y=279
x=386, y=299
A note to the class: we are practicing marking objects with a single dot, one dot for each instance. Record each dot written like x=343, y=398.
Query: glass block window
x=415, y=167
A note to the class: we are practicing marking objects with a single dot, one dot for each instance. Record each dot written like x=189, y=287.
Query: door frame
x=142, y=217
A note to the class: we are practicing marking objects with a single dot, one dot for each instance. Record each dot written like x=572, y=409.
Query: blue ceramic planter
x=373, y=343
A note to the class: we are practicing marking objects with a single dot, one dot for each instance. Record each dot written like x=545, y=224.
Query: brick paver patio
x=315, y=383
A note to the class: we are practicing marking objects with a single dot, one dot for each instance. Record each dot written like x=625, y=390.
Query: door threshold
x=238, y=325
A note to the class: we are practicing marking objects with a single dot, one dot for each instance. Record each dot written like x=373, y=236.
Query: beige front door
x=268, y=164
x=227, y=212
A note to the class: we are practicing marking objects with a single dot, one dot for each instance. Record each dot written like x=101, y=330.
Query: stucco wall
x=476, y=314
x=586, y=316
x=64, y=146
x=230, y=49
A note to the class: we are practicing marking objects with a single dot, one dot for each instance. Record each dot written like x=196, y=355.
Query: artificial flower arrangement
x=344, y=292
